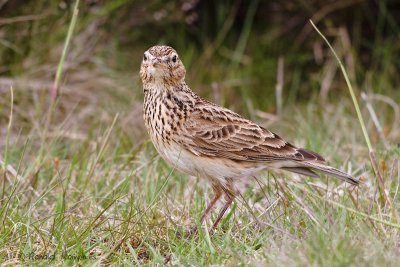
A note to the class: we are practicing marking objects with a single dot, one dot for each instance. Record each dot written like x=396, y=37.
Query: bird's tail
x=308, y=168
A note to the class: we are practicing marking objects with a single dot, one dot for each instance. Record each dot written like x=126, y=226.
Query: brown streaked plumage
x=206, y=140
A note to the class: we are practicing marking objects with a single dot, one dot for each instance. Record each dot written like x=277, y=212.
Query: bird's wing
x=213, y=131
x=218, y=132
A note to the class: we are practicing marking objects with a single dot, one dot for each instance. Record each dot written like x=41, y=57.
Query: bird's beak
x=158, y=65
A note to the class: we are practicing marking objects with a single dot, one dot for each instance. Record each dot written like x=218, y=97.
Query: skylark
x=203, y=139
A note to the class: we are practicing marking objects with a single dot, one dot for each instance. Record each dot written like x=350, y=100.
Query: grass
x=99, y=193
x=100, y=201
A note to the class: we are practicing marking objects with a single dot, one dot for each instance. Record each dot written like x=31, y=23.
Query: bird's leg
x=217, y=195
x=229, y=191
x=217, y=189
x=229, y=200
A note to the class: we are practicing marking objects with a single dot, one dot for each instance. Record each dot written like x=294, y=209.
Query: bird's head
x=161, y=64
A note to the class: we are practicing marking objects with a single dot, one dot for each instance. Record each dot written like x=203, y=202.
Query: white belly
x=210, y=167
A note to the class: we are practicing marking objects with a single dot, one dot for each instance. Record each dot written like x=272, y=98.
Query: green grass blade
x=64, y=52
x=353, y=96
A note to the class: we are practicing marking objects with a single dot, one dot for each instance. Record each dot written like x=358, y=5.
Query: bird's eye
x=174, y=58
x=144, y=57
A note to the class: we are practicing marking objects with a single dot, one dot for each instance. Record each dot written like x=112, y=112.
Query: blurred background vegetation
x=231, y=50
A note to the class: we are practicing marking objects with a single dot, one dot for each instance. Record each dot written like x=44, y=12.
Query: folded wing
x=218, y=132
